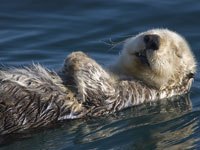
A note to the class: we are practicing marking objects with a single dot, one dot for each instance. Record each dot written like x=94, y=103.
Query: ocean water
x=47, y=31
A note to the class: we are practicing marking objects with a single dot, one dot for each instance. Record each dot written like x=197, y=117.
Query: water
x=46, y=31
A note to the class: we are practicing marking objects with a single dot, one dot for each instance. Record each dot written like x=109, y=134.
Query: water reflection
x=159, y=125
x=170, y=123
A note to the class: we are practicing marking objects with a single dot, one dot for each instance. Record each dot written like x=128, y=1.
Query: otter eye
x=152, y=41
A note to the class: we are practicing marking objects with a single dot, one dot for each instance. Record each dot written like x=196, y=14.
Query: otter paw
x=77, y=61
x=74, y=60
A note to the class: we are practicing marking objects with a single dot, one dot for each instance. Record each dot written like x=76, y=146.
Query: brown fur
x=33, y=97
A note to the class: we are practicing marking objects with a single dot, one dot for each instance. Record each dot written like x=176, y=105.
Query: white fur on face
x=167, y=66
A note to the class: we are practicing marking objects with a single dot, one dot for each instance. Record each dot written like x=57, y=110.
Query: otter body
x=33, y=97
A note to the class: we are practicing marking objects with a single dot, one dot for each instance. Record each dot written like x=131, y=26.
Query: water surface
x=47, y=31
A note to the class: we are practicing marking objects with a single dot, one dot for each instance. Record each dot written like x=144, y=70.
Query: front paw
x=75, y=61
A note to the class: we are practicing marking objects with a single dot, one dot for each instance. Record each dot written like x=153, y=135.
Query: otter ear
x=178, y=51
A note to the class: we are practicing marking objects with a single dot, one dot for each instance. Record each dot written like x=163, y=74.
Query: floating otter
x=153, y=65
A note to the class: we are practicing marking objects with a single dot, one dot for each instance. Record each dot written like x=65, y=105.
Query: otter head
x=159, y=57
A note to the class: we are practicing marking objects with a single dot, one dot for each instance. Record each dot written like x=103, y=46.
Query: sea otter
x=153, y=65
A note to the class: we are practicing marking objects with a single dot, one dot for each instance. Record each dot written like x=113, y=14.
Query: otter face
x=159, y=57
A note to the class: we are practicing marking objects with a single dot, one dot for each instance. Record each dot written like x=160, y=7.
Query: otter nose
x=152, y=41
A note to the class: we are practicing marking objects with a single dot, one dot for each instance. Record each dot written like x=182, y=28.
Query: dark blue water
x=46, y=31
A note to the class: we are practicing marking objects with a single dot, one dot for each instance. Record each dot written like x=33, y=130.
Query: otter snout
x=152, y=41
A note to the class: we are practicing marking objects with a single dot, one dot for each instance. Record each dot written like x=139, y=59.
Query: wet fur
x=168, y=65
x=33, y=97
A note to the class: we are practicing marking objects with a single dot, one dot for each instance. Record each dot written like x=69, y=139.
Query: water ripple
x=45, y=32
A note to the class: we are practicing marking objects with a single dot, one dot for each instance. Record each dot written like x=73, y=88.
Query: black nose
x=152, y=41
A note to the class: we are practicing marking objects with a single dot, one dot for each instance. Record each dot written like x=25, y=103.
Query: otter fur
x=160, y=58
x=148, y=69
